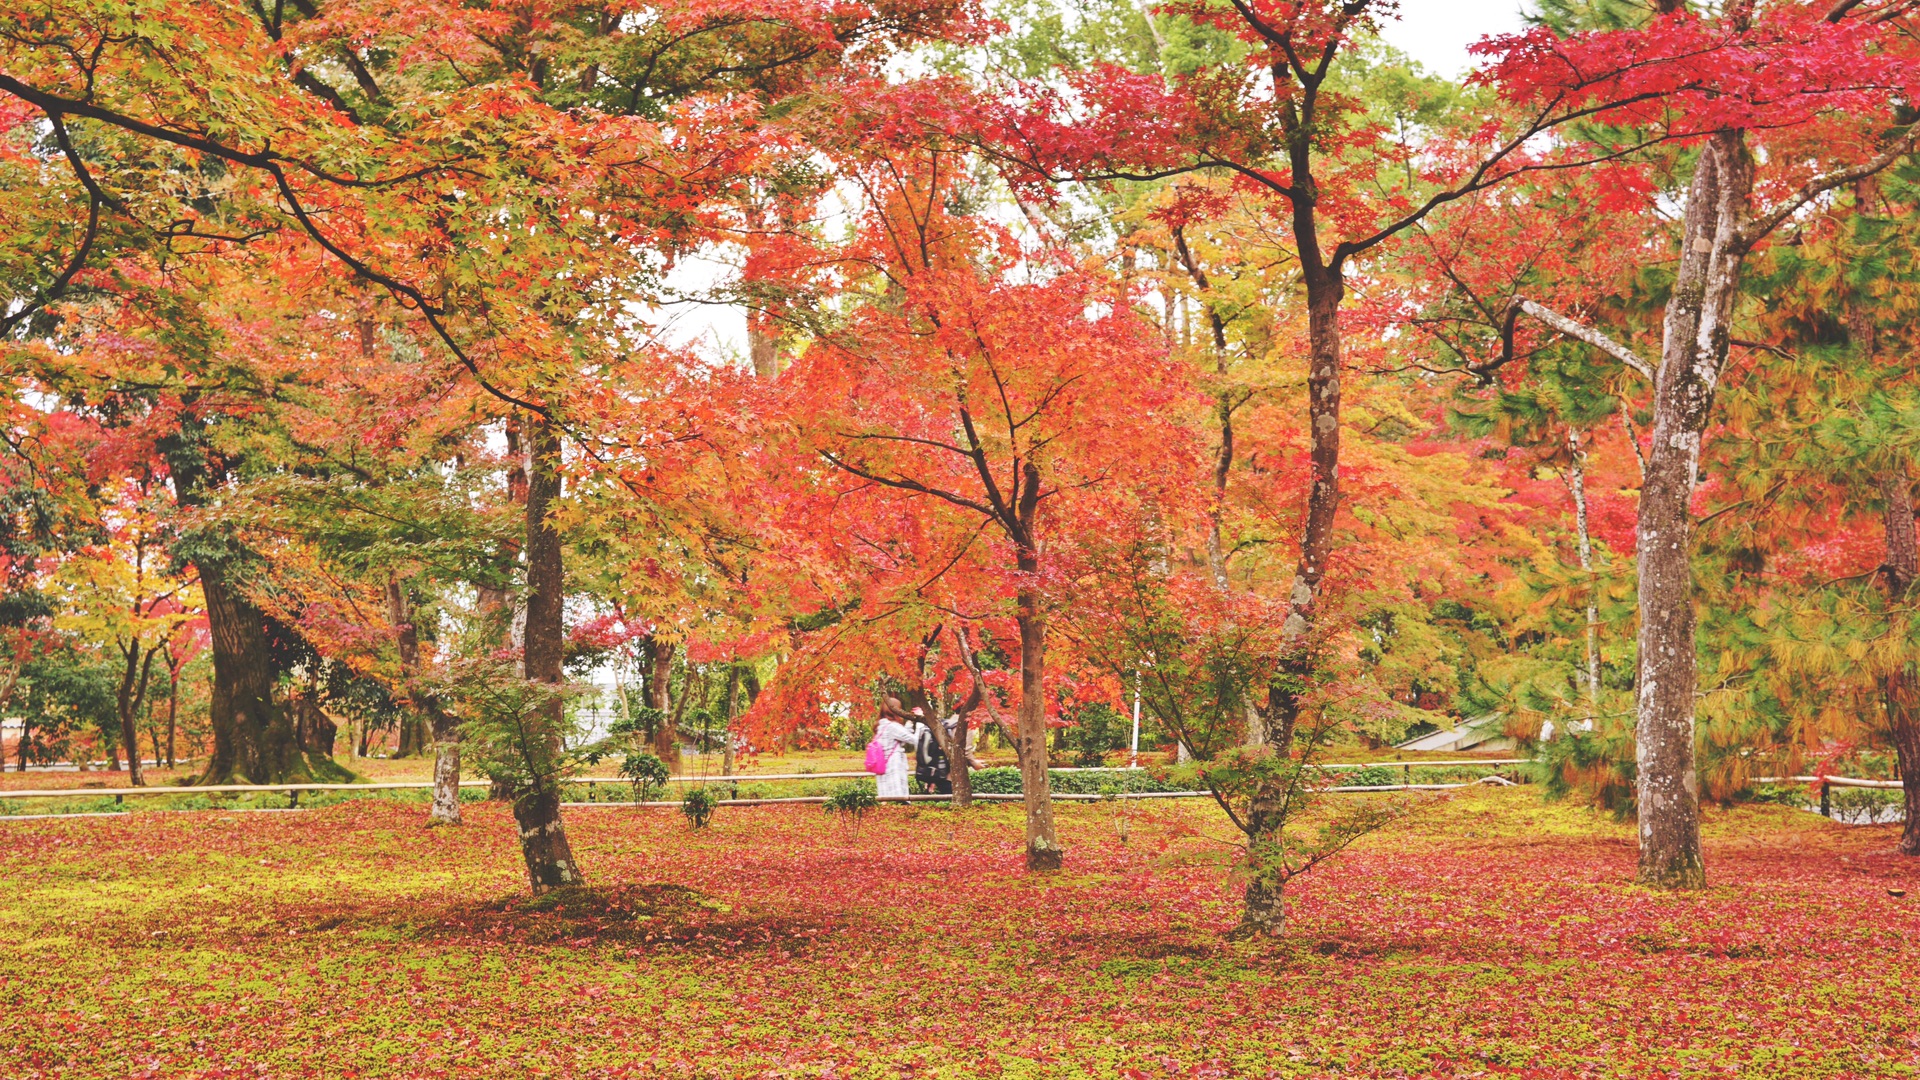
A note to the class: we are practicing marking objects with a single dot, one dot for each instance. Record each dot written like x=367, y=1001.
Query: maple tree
x=983, y=406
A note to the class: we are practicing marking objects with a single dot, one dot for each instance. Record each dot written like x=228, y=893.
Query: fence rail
x=737, y=778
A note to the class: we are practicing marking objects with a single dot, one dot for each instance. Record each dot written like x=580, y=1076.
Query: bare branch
x=1574, y=329
x=1757, y=228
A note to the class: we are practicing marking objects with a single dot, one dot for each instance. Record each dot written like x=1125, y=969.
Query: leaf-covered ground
x=1487, y=936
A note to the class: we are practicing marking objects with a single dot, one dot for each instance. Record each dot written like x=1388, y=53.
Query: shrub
x=1371, y=776
x=646, y=772
x=853, y=799
x=1098, y=730
x=699, y=805
x=1864, y=806
x=1006, y=781
x=1598, y=765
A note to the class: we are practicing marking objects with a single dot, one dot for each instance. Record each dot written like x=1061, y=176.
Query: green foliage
x=68, y=692
x=853, y=800
x=513, y=730
x=646, y=772
x=1865, y=805
x=698, y=805
x=1005, y=780
x=1098, y=730
x=1597, y=765
x=1371, y=776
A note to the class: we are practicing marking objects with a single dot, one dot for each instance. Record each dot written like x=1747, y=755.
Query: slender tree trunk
x=1577, y=485
x=1693, y=352
x=733, y=699
x=962, y=768
x=1043, y=844
x=128, y=706
x=536, y=809
x=173, y=706
x=1265, y=912
x=425, y=718
x=1296, y=662
x=1223, y=413
x=1901, y=688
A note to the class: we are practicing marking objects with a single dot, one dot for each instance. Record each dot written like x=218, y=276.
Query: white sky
x=1434, y=32
x=1437, y=32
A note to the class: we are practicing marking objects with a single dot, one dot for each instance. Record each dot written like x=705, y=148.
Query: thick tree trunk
x=1265, y=914
x=659, y=687
x=446, y=771
x=254, y=737
x=1901, y=688
x=543, y=837
x=412, y=741
x=1693, y=351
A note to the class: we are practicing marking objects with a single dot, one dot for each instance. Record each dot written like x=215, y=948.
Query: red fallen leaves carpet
x=1486, y=936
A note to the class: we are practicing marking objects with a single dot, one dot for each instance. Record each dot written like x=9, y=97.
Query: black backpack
x=929, y=761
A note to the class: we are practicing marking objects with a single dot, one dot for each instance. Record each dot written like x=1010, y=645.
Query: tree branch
x=1572, y=329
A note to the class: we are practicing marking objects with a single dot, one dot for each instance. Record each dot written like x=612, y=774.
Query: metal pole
x=1133, y=753
x=1826, y=808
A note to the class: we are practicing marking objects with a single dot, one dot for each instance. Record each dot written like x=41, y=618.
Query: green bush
x=853, y=799
x=1865, y=805
x=1006, y=781
x=1371, y=776
x=646, y=772
x=1795, y=796
x=699, y=805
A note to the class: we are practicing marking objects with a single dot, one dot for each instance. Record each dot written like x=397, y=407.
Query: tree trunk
x=1296, y=662
x=412, y=741
x=1043, y=844
x=446, y=772
x=253, y=735
x=543, y=837
x=425, y=715
x=1901, y=688
x=733, y=700
x=173, y=705
x=1223, y=413
x=1265, y=914
x=1694, y=348
x=659, y=685
x=133, y=686
x=764, y=348
x=1296, y=669
x=1577, y=485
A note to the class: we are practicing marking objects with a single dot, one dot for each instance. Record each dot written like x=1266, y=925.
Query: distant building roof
x=1481, y=732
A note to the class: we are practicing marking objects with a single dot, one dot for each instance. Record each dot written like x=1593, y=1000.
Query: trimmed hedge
x=1006, y=781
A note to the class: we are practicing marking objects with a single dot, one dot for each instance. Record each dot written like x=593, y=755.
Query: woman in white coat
x=897, y=738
